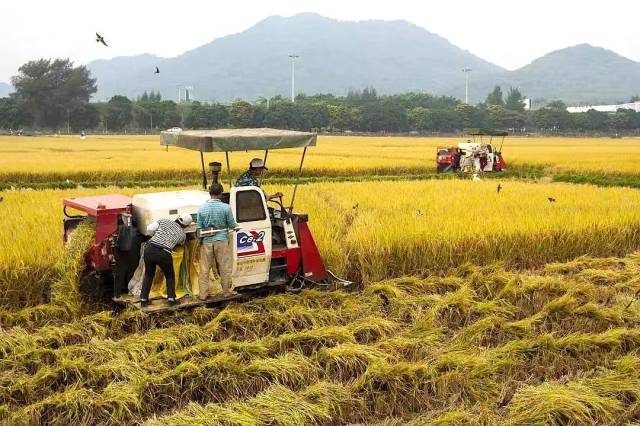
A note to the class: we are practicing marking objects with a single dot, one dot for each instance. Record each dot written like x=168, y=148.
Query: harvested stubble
x=484, y=346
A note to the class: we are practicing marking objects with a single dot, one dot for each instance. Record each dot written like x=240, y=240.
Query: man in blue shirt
x=216, y=248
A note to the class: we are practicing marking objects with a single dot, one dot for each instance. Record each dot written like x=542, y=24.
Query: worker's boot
x=172, y=302
x=144, y=303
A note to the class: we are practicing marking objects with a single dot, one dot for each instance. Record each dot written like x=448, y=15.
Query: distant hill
x=5, y=89
x=335, y=56
x=579, y=74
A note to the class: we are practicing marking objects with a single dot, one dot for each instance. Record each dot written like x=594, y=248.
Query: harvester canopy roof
x=227, y=140
x=485, y=132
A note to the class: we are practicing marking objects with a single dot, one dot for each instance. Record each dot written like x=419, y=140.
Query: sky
x=507, y=33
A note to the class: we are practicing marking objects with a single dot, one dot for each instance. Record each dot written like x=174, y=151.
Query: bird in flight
x=498, y=188
x=551, y=199
x=157, y=71
x=100, y=39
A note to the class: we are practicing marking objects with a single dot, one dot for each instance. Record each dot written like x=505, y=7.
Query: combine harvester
x=273, y=248
x=473, y=157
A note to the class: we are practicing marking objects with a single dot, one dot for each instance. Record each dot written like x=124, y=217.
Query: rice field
x=134, y=158
x=473, y=306
x=373, y=231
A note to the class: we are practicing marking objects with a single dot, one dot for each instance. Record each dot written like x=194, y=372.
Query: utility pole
x=466, y=72
x=151, y=119
x=293, y=76
x=68, y=125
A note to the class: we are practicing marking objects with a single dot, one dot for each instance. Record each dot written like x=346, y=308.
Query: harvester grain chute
x=476, y=155
x=273, y=248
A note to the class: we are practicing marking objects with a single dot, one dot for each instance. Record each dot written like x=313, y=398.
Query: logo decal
x=250, y=243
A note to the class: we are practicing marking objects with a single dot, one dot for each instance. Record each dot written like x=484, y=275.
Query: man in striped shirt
x=167, y=234
x=216, y=248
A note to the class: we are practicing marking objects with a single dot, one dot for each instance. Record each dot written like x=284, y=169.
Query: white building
x=605, y=108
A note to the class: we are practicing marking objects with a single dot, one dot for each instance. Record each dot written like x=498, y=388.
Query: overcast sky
x=508, y=33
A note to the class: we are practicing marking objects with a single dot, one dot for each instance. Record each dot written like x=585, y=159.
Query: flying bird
x=551, y=199
x=355, y=207
x=157, y=71
x=498, y=188
x=100, y=39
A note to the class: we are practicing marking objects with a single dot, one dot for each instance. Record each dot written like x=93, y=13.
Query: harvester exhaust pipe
x=216, y=168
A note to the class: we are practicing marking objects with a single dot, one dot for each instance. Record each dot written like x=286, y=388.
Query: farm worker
x=216, y=249
x=167, y=234
x=252, y=176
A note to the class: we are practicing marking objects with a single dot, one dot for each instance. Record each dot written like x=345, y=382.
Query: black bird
x=419, y=212
x=356, y=206
x=100, y=39
x=498, y=188
x=157, y=71
x=551, y=199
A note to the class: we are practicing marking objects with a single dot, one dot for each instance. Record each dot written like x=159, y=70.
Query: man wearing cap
x=216, y=249
x=252, y=176
x=167, y=234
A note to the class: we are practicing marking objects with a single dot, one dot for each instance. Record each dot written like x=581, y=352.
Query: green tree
x=50, y=89
x=242, y=114
x=497, y=116
x=280, y=114
x=118, y=114
x=168, y=115
x=384, y=115
x=495, y=97
x=84, y=117
x=311, y=115
x=419, y=119
x=552, y=118
x=466, y=114
x=11, y=115
x=514, y=100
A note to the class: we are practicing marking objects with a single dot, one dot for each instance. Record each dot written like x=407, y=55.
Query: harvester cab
x=273, y=246
x=475, y=155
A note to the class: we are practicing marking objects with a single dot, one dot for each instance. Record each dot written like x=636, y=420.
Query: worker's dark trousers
x=126, y=264
x=155, y=256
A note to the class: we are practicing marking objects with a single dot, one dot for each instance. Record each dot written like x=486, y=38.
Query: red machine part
x=104, y=209
x=445, y=155
x=305, y=258
x=312, y=265
x=500, y=164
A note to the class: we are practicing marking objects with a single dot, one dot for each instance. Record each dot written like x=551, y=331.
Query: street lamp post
x=293, y=75
x=466, y=72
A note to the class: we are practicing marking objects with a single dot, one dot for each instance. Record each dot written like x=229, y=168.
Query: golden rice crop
x=133, y=158
x=370, y=231
x=418, y=351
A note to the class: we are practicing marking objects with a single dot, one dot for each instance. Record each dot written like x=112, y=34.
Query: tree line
x=56, y=96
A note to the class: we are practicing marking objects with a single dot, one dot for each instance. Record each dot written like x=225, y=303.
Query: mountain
x=579, y=74
x=5, y=89
x=335, y=56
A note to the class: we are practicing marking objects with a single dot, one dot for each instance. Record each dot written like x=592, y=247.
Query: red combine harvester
x=473, y=156
x=274, y=246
